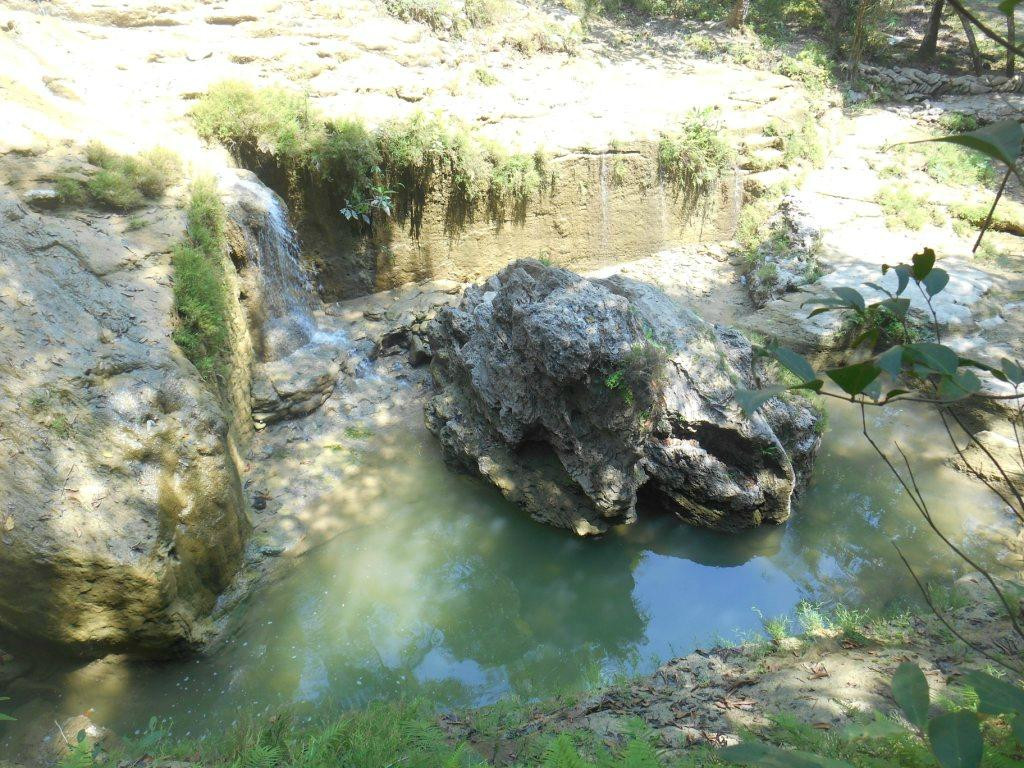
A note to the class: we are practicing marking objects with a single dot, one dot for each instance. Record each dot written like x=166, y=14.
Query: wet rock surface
x=571, y=394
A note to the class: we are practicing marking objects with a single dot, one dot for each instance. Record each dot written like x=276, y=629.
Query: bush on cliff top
x=200, y=291
x=410, y=155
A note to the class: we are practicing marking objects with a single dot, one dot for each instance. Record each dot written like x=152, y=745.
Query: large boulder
x=572, y=395
x=121, y=512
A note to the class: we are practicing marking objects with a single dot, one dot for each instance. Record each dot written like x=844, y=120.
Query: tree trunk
x=972, y=43
x=930, y=42
x=738, y=16
x=1011, y=35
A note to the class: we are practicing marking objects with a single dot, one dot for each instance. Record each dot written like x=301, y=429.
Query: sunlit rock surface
x=570, y=395
x=121, y=516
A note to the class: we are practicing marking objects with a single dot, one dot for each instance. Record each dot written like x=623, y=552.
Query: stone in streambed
x=570, y=395
x=295, y=385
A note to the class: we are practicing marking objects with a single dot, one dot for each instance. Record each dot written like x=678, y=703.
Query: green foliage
x=124, y=182
x=485, y=13
x=120, y=182
x=948, y=164
x=959, y=122
x=433, y=13
x=904, y=209
x=696, y=156
x=386, y=735
x=484, y=76
x=200, y=293
x=812, y=67
x=403, y=158
x=953, y=739
x=70, y=190
x=515, y=180
x=6, y=718
x=776, y=627
x=1007, y=217
x=639, y=374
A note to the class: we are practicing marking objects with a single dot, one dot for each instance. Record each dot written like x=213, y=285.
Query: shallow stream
x=458, y=597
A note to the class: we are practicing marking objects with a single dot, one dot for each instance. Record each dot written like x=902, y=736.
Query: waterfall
x=287, y=295
x=605, y=228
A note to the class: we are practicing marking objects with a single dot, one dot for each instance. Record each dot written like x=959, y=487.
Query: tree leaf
x=956, y=740
x=910, y=689
x=902, y=276
x=1000, y=141
x=1008, y=6
x=6, y=718
x=851, y=296
x=891, y=361
x=752, y=399
x=966, y=362
x=936, y=281
x=880, y=289
x=795, y=363
x=961, y=384
x=922, y=264
x=937, y=357
x=898, y=307
x=1013, y=370
x=869, y=339
x=995, y=696
x=853, y=378
x=769, y=756
x=1018, y=729
x=873, y=390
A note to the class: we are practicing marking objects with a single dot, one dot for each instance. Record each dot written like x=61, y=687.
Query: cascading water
x=288, y=297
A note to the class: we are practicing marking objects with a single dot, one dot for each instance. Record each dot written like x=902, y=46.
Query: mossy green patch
x=200, y=292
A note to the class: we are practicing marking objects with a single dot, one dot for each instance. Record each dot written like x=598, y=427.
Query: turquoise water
x=459, y=597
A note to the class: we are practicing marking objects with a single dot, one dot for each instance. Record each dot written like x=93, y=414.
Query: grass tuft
x=200, y=291
x=696, y=156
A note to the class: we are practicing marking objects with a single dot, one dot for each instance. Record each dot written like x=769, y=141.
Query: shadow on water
x=456, y=596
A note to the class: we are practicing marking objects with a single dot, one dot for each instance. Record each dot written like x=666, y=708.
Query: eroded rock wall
x=594, y=208
x=121, y=512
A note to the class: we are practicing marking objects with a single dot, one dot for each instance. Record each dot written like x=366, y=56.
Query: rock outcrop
x=121, y=513
x=572, y=395
x=295, y=385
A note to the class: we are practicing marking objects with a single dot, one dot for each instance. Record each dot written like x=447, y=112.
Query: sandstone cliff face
x=121, y=514
x=572, y=394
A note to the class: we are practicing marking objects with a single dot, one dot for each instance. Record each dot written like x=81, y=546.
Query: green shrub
x=70, y=190
x=114, y=189
x=514, y=180
x=696, y=156
x=485, y=13
x=1007, y=217
x=811, y=67
x=200, y=291
x=124, y=182
x=433, y=13
x=273, y=121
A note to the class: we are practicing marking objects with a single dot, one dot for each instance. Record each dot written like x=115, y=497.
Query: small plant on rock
x=696, y=156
